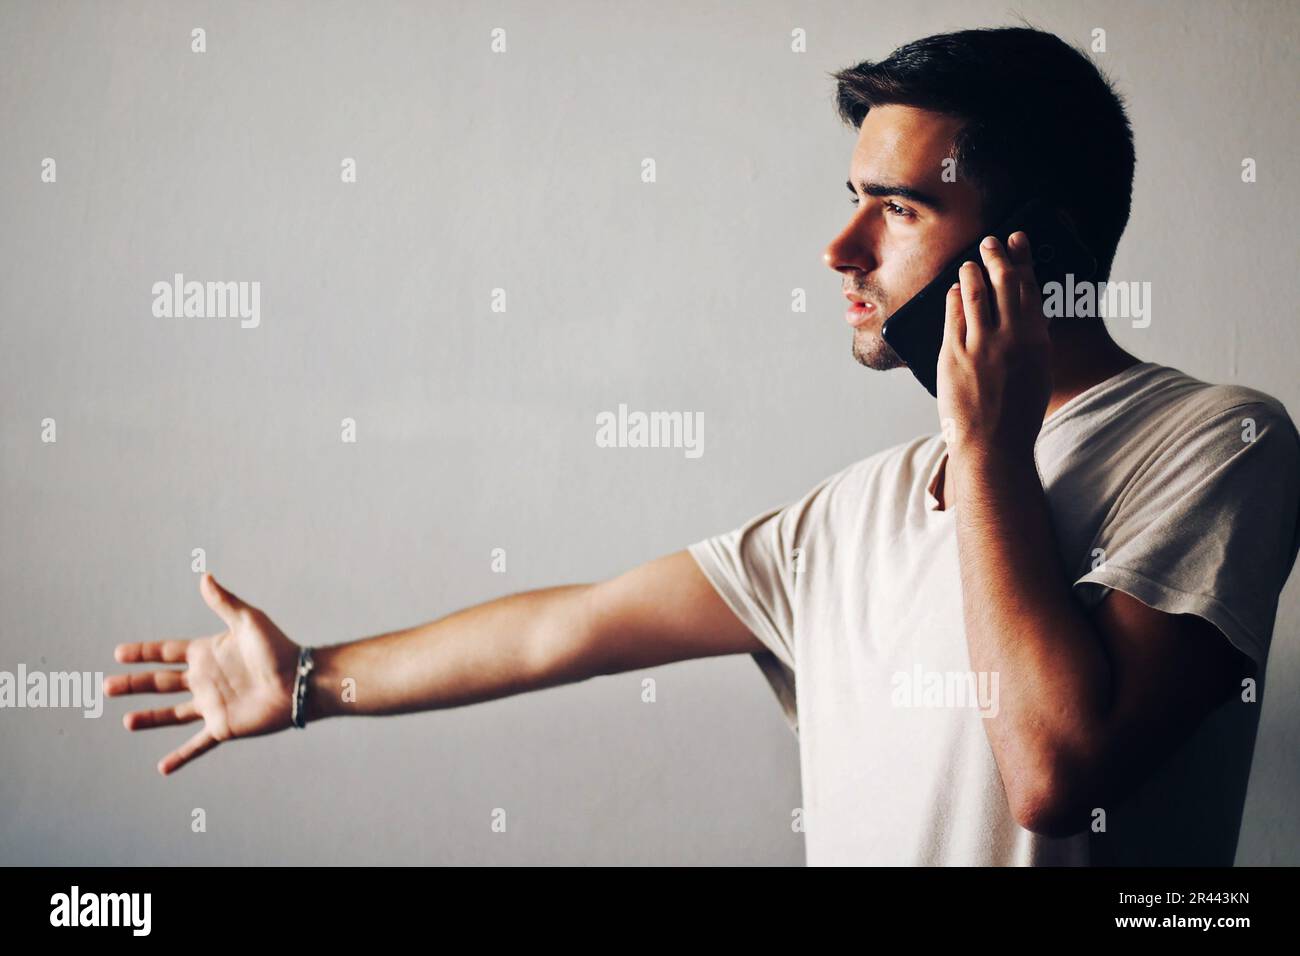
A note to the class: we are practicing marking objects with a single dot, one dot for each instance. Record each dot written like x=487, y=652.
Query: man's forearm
x=1023, y=623
x=506, y=646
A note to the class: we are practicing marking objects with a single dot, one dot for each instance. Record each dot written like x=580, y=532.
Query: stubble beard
x=870, y=349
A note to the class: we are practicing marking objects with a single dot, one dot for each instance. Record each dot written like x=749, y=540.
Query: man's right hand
x=241, y=679
x=662, y=611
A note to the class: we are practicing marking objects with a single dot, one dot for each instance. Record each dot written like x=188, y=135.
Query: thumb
x=224, y=604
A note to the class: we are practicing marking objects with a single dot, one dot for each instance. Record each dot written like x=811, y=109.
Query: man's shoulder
x=1177, y=391
x=1162, y=410
x=1197, y=412
x=1165, y=436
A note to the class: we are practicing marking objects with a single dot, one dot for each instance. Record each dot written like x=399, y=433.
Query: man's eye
x=894, y=208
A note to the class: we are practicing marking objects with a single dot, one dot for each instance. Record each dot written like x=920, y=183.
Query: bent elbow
x=1053, y=805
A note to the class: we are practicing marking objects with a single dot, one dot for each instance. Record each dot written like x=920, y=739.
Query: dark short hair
x=1039, y=117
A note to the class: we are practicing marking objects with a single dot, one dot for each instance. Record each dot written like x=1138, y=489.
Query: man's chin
x=874, y=352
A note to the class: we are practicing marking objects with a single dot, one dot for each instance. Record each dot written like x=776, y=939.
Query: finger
x=162, y=717
x=1028, y=294
x=196, y=746
x=1031, y=304
x=222, y=602
x=1005, y=279
x=1018, y=248
x=975, y=303
x=146, y=682
x=1031, y=299
x=954, y=323
x=166, y=652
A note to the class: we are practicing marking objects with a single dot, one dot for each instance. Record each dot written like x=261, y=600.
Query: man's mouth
x=860, y=312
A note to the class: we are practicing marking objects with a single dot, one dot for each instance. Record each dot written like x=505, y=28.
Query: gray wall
x=475, y=429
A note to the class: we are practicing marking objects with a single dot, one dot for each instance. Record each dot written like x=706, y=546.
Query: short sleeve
x=754, y=569
x=1209, y=527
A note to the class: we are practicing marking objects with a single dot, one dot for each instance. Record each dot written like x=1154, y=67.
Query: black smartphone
x=915, y=330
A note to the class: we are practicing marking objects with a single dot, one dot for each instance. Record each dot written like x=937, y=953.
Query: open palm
x=241, y=679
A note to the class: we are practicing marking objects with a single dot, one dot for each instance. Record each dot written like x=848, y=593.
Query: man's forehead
x=903, y=142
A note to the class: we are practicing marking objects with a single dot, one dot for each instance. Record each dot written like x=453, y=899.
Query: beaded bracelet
x=305, y=665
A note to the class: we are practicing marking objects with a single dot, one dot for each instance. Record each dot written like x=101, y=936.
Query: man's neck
x=1083, y=355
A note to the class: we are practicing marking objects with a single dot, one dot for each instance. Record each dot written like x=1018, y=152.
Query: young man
x=1093, y=544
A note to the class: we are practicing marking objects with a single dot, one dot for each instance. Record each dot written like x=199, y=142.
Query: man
x=1093, y=544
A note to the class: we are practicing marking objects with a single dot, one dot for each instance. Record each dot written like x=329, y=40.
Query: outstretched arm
x=242, y=678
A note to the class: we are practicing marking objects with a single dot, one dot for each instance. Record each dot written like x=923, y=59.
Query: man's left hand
x=994, y=377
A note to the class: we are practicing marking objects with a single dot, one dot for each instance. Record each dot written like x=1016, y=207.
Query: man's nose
x=851, y=250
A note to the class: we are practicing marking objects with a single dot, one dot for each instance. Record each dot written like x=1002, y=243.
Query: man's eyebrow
x=897, y=189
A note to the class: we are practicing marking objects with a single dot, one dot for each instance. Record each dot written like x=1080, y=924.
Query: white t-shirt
x=1188, y=489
